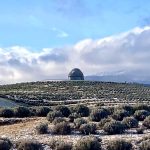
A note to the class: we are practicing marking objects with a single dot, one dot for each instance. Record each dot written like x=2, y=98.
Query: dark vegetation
x=42, y=128
x=97, y=118
x=5, y=144
x=102, y=115
x=45, y=93
x=88, y=143
x=29, y=145
x=119, y=145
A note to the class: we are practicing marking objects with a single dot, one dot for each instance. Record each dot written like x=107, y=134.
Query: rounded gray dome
x=76, y=74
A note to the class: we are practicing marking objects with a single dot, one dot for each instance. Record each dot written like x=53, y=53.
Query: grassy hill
x=46, y=93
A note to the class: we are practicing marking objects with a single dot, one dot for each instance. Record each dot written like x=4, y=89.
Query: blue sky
x=45, y=39
x=54, y=23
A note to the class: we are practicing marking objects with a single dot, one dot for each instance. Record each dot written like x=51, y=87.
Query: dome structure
x=76, y=74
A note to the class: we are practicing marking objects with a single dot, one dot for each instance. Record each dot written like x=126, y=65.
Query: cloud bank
x=124, y=54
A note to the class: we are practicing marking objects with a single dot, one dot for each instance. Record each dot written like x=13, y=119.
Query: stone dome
x=76, y=74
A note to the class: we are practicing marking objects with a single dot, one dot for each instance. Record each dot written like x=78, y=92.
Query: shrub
x=64, y=110
x=78, y=122
x=64, y=146
x=140, y=130
x=98, y=114
x=141, y=114
x=120, y=114
x=58, y=120
x=142, y=107
x=52, y=115
x=60, y=145
x=22, y=112
x=114, y=127
x=42, y=111
x=7, y=113
x=29, y=145
x=130, y=122
x=87, y=129
x=103, y=121
x=5, y=144
x=146, y=122
x=87, y=143
x=42, y=128
x=82, y=110
x=71, y=118
x=145, y=145
x=32, y=111
x=128, y=108
x=62, y=128
x=119, y=145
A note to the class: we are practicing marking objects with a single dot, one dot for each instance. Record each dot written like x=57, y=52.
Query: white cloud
x=60, y=33
x=127, y=53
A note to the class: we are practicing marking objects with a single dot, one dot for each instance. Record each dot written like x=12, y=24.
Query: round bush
x=114, y=127
x=119, y=145
x=146, y=122
x=29, y=145
x=120, y=114
x=5, y=144
x=87, y=143
x=52, y=115
x=140, y=130
x=22, y=112
x=98, y=114
x=103, y=121
x=42, y=111
x=128, y=108
x=145, y=145
x=60, y=145
x=140, y=115
x=71, y=118
x=130, y=122
x=7, y=113
x=78, y=122
x=82, y=110
x=62, y=128
x=64, y=110
x=142, y=107
x=42, y=128
x=58, y=120
x=87, y=129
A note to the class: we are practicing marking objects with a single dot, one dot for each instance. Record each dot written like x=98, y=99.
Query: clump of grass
x=78, y=122
x=60, y=145
x=62, y=128
x=130, y=122
x=42, y=128
x=146, y=122
x=6, y=112
x=52, y=115
x=98, y=114
x=87, y=129
x=22, y=112
x=42, y=111
x=29, y=145
x=88, y=143
x=119, y=145
x=64, y=110
x=114, y=127
x=5, y=144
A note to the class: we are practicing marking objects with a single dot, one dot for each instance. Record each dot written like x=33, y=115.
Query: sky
x=45, y=39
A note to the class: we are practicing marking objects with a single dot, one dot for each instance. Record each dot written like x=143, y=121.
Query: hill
x=50, y=92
